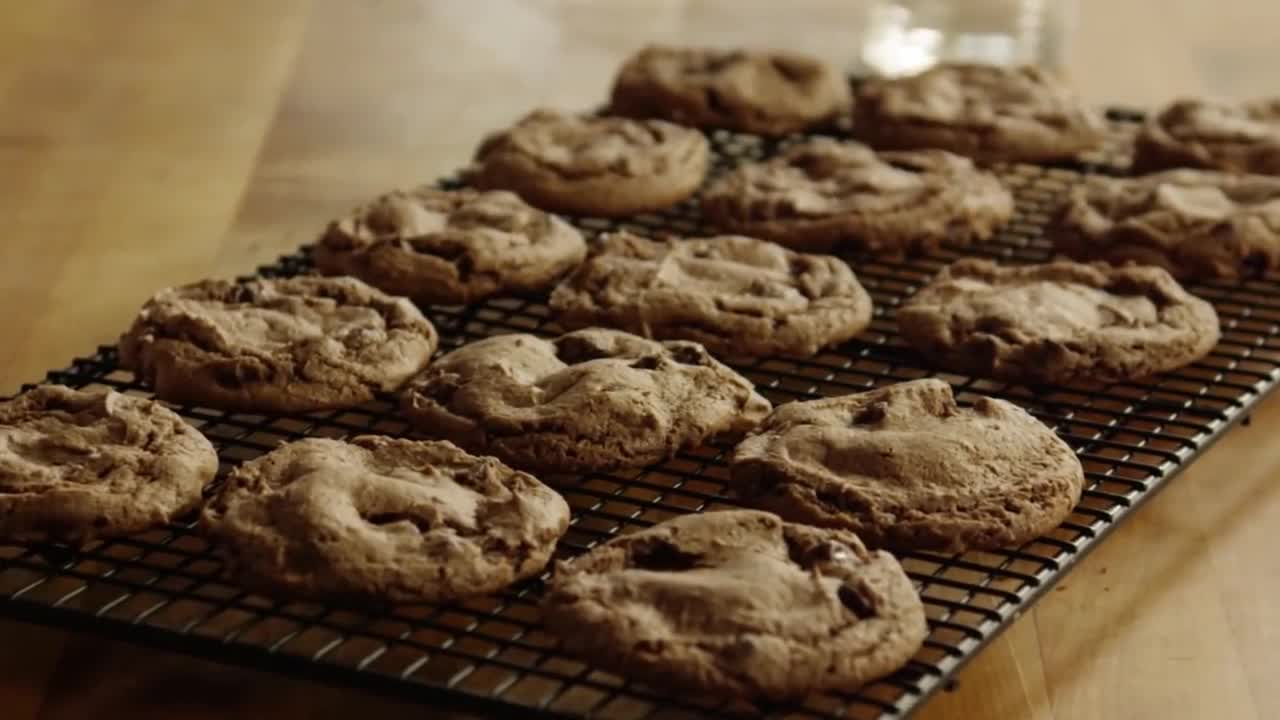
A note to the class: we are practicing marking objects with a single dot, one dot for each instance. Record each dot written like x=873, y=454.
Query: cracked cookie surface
x=450, y=247
x=77, y=465
x=1057, y=322
x=907, y=468
x=738, y=603
x=1193, y=223
x=383, y=519
x=984, y=112
x=735, y=295
x=587, y=165
x=276, y=345
x=591, y=400
x=1211, y=134
x=821, y=194
x=762, y=92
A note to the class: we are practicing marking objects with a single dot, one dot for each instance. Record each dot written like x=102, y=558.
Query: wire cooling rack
x=490, y=654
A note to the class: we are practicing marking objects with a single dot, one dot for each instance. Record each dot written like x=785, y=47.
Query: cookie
x=907, y=468
x=1193, y=223
x=738, y=603
x=1214, y=135
x=1057, y=322
x=735, y=295
x=587, y=165
x=821, y=194
x=382, y=519
x=985, y=112
x=591, y=400
x=276, y=346
x=762, y=92
x=450, y=247
x=77, y=465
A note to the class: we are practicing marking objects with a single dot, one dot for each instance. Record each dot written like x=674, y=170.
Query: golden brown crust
x=450, y=247
x=762, y=92
x=383, y=519
x=738, y=603
x=1193, y=223
x=78, y=465
x=1057, y=322
x=276, y=345
x=587, y=165
x=735, y=295
x=985, y=112
x=906, y=468
x=822, y=194
x=1214, y=135
x=591, y=400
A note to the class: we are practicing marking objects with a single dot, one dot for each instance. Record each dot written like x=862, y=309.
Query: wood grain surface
x=150, y=142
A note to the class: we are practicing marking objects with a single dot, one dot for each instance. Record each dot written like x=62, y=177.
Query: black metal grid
x=164, y=587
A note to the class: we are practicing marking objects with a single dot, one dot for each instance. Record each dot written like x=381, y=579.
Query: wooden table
x=147, y=143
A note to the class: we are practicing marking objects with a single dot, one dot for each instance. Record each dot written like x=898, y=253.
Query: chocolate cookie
x=592, y=400
x=738, y=603
x=768, y=93
x=986, y=112
x=78, y=465
x=907, y=468
x=276, y=346
x=1236, y=137
x=822, y=193
x=593, y=165
x=735, y=295
x=1193, y=223
x=376, y=518
x=450, y=247
x=1058, y=322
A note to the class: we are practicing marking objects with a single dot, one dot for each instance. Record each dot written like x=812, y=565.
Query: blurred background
x=198, y=138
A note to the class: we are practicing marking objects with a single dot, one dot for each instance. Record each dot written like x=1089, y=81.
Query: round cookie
x=276, y=346
x=450, y=247
x=591, y=400
x=820, y=194
x=735, y=295
x=586, y=165
x=985, y=112
x=1193, y=223
x=78, y=465
x=908, y=469
x=763, y=92
x=383, y=519
x=738, y=603
x=1215, y=135
x=1057, y=322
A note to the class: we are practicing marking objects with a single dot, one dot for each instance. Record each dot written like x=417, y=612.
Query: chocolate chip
x=807, y=555
x=227, y=376
x=648, y=362
x=830, y=551
x=841, y=502
x=859, y=599
x=440, y=388
x=792, y=72
x=466, y=265
x=573, y=349
x=689, y=354
x=662, y=556
x=393, y=517
x=715, y=103
x=905, y=166
x=873, y=413
x=1253, y=265
x=243, y=293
